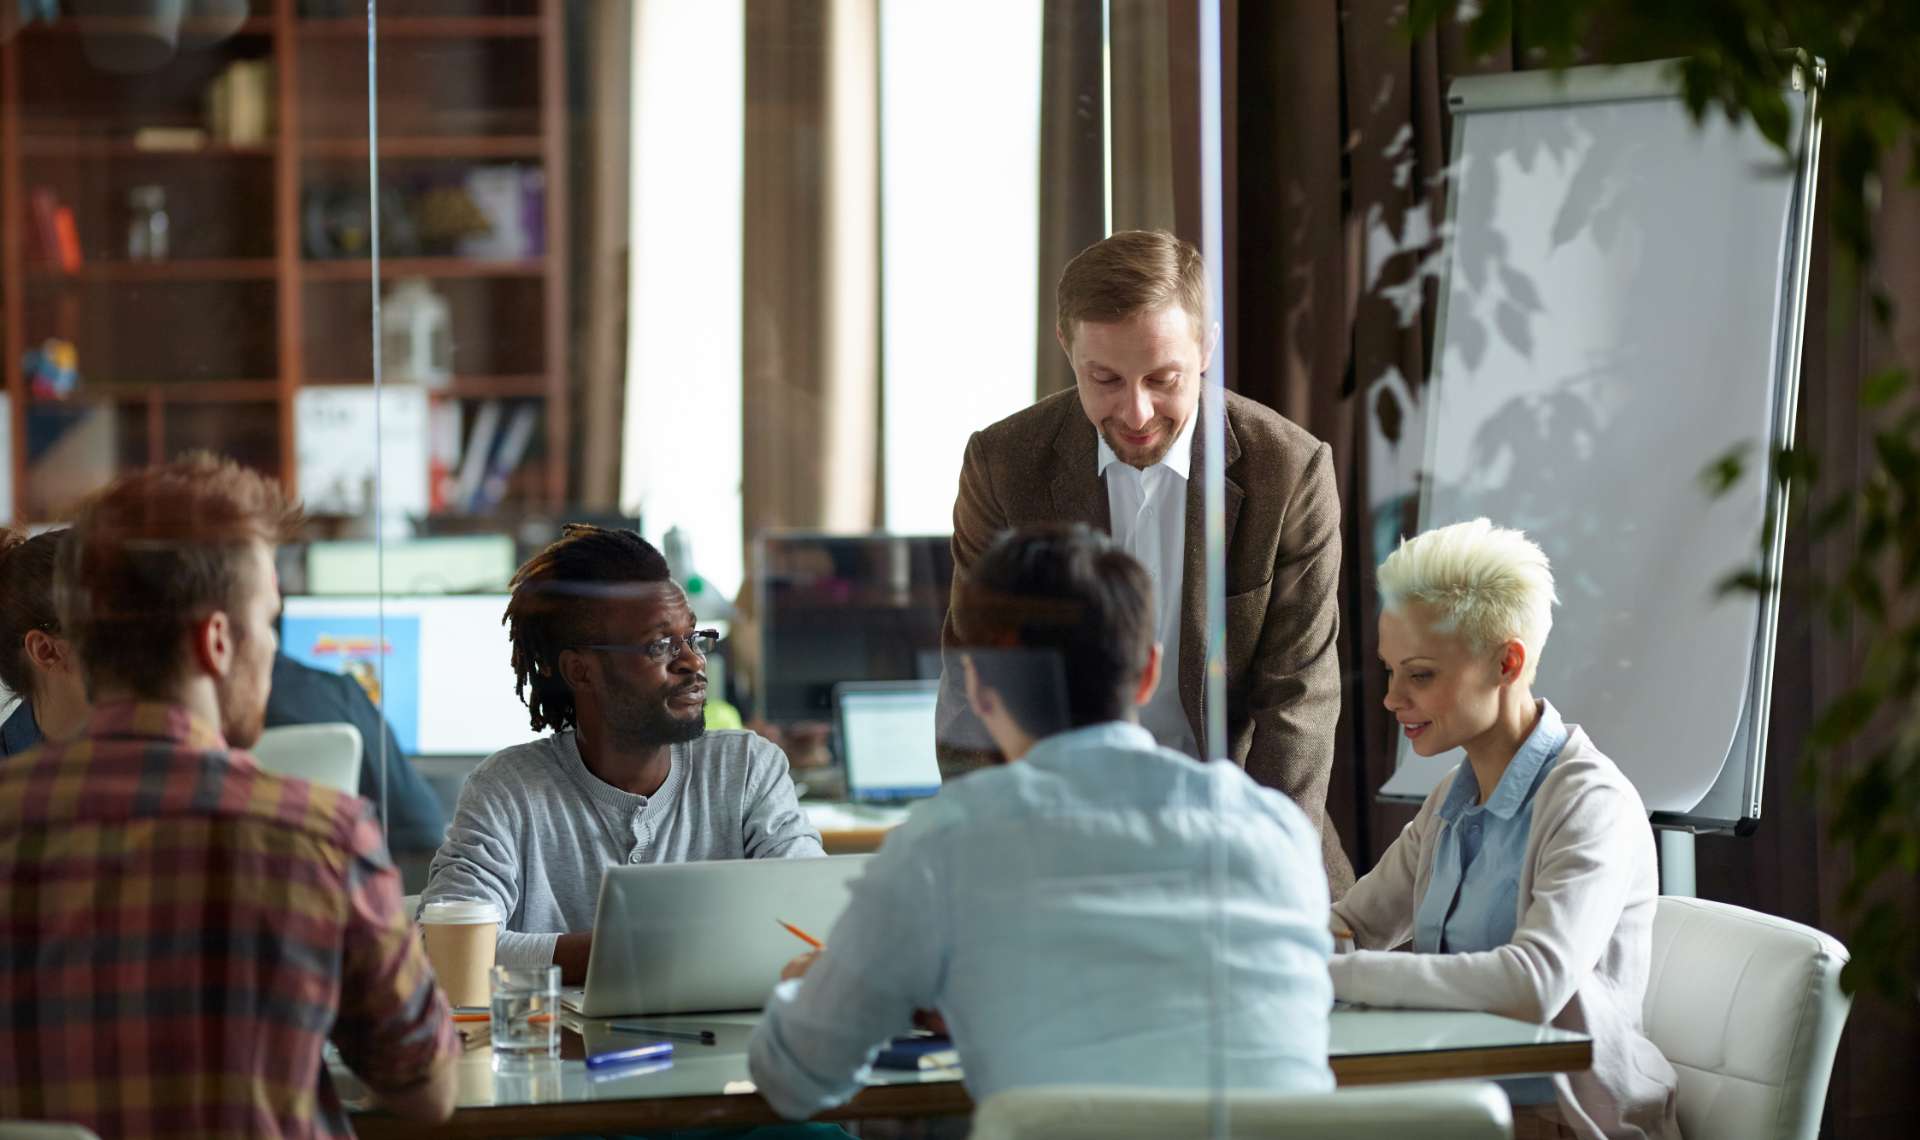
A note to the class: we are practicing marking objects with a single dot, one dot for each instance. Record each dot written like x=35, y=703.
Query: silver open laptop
x=701, y=937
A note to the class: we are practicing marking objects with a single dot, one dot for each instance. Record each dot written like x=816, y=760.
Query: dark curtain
x=1337, y=133
x=1071, y=156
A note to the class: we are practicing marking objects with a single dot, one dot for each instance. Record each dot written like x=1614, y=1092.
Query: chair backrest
x=325, y=754
x=1748, y=1009
x=42, y=1130
x=1451, y=1110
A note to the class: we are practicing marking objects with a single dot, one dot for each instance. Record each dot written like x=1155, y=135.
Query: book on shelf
x=169, y=139
x=55, y=232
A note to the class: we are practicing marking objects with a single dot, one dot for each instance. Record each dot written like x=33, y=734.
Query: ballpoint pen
x=651, y=1051
x=703, y=1036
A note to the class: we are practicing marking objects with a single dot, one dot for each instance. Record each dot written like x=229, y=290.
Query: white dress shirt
x=1066, y=914
x=1149, y=512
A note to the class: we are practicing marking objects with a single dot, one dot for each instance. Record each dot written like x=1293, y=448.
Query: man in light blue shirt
x=1097, y=910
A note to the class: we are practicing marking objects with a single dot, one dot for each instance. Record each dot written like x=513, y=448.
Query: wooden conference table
x=707, y=1086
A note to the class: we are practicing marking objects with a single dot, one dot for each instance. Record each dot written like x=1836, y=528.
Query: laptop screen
x=886, y=738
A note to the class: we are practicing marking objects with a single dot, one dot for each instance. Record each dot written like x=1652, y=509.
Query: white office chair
x=42, y=1130
x=1748, y=1009
x=325, y=754
x=1451, y=1110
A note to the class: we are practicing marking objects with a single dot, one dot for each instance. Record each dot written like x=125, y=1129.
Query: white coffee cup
x=460, y=936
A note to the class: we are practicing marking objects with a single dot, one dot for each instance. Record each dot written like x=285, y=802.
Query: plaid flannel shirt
x=180, y=932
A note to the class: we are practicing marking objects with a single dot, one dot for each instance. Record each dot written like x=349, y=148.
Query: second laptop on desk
x=702, y=937
x=886, y=731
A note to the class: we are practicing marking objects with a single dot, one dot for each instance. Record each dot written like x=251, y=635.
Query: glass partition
x=747, y=278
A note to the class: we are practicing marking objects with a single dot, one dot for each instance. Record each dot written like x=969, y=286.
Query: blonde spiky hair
x=1486, y=583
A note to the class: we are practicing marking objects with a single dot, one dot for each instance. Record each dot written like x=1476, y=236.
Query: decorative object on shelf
x=446, y=218
x=416, y=335
x=336, y=223
x=132, y=37
x=240, y=103
x=148, y=226
x=52, y=370
x=512, y=203
x=207, y=22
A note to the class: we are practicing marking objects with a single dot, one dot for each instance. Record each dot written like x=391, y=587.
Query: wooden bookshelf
x=213, y=346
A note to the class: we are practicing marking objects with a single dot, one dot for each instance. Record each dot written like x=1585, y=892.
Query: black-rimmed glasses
x=668, y=648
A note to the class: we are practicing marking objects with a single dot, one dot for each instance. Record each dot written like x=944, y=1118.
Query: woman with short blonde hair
x=1527, y=881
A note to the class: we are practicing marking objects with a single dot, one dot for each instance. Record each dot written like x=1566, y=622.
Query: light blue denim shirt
x=1071, y=914
x=1471, y=902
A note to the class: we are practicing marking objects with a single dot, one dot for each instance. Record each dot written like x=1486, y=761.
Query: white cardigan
x=1581, y=944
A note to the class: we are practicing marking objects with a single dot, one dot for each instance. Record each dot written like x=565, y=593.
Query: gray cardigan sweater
x=535, y=830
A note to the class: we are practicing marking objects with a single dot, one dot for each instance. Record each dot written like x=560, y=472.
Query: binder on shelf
x=513, y=448
x=68, y=235
x=473, y=463
x=55, y=233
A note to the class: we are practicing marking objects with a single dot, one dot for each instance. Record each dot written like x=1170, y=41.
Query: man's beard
x=1132, y=457
x=651, y=723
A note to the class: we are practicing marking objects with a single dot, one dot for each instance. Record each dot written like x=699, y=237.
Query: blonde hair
x=1486, y=583
x=1134, y=271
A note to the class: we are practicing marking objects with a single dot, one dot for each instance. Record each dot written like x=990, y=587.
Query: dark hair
x=155, y=552
x=1076, y=606
x=26, y=601
x=558, y=599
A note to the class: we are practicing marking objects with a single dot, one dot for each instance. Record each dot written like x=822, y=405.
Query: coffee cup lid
x=460, y=912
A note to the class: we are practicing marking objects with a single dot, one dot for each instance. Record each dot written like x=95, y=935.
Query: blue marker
x=651, y=1051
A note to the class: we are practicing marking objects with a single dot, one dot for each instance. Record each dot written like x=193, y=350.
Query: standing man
x=1119, y=453
x=607, y=655
x=184, y=930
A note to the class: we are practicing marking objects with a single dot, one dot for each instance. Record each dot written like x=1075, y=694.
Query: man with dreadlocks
x=608, y=660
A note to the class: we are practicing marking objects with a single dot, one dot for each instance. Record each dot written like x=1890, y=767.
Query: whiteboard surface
x=1614, y=296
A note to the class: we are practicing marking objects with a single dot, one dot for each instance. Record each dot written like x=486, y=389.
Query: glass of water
x=526, y=1013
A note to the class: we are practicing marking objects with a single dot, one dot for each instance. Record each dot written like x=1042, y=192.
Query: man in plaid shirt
x=180, y=932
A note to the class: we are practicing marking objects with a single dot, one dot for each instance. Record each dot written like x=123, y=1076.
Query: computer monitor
x=451, y=564
x=448, y=683
x=839, y=608
x=886, y=738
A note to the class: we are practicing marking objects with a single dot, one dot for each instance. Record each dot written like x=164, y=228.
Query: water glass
x=525, y=1021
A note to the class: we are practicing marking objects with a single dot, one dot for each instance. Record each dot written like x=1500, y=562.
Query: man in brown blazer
x=1116, y=453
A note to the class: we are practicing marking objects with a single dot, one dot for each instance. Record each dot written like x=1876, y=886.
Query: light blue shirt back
x=1472, y=902
x=1103, y=910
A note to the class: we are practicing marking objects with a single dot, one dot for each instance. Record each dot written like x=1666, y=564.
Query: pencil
x=800, y=934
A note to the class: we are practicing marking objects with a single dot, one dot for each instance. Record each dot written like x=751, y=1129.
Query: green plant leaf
x=1743, y=582
x=1491, y=30
x=1723, y=474
x=1879, y=389
x=1845, y=717
x=1423, y=15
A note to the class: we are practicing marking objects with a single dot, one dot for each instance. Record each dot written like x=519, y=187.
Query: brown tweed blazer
x=1283, y=569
